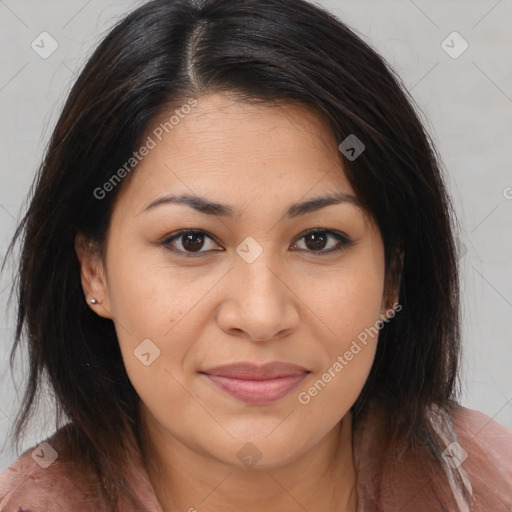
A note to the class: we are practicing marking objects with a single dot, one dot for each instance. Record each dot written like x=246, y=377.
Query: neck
x=322, y=479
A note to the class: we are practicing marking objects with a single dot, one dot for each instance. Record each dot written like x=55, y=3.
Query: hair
x=262, y=52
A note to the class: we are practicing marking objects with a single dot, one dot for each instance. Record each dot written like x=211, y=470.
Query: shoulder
x=46, y=477
x=476, y=425
x=475, y=473
x=484, y=450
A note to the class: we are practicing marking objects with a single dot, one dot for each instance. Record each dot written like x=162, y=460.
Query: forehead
x=227, y=148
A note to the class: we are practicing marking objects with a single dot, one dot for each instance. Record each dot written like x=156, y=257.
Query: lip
x=257, y=384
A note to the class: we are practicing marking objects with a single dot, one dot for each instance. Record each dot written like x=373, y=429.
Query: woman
x=238, y=274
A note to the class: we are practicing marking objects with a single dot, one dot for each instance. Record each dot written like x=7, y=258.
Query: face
x=255, y=279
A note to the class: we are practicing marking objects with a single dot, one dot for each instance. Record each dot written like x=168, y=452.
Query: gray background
x=466, y=103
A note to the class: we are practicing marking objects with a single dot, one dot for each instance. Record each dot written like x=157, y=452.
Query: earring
x=93, y=301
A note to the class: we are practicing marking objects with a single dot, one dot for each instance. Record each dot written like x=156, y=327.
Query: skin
x=291, y=304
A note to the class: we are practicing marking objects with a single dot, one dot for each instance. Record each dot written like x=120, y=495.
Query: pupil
x=193, y=241
x=318, y=240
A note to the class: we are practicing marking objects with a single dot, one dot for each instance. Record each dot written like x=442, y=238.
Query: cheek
x=362, y=300
x=346, y=300
x=349, y=307
x=146, y=297
x=158, y=314
x=348, y=351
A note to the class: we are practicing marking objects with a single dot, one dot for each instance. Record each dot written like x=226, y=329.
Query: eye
x=317, y=240
x=188, y=242
x=192, y=242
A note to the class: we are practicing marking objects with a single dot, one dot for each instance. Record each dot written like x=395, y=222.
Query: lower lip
x=257, y=391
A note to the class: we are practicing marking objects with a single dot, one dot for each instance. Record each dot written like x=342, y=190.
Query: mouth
x=255, y=384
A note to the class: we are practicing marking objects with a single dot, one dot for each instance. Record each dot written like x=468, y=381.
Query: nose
x=259, y=303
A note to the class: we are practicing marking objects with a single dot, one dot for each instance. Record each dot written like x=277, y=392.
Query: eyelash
x=344, y=242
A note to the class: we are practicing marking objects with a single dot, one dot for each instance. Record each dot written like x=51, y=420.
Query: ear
x=392, y=283
x=93, y=276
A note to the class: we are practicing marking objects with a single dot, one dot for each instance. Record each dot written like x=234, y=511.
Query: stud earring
x=93, y=301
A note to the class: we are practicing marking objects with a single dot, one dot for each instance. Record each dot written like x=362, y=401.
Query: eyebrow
x=208, y=207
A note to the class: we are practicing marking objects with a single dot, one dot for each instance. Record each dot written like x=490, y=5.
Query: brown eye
x=324, y=241
x=316, y=240
x=192, y=241
x=189, y=242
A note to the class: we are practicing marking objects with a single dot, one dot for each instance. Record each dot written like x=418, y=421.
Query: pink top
x=476, y=474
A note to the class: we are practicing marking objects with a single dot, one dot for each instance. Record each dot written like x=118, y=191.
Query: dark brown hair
x=261, y=51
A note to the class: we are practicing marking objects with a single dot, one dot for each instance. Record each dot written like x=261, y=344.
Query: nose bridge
x=260, y=303
x=258, y=275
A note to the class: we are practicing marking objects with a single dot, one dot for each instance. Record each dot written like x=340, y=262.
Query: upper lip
x=251, y=371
